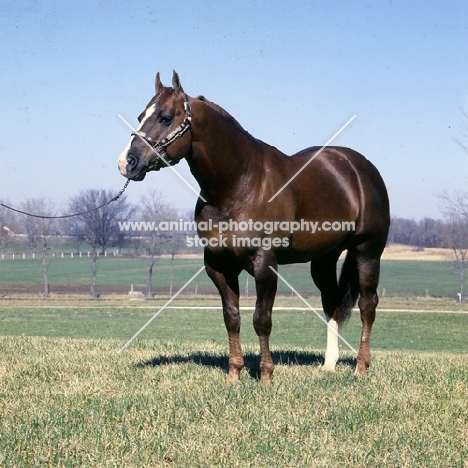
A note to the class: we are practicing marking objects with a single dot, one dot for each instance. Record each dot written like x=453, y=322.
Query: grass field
x=399, y=278
x=120, y=319
x=67, y=398
x=76, y=402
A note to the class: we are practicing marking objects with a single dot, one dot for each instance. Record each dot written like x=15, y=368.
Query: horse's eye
x=165, y=120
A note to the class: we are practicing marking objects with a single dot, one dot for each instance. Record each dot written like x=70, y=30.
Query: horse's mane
x=221, y=111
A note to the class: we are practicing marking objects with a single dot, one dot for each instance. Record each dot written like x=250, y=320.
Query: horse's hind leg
x=227, y=283
x=369, y=270
x=324, y=275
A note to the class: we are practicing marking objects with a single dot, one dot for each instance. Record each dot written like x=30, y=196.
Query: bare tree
x=459, y=241
x=174, y=244
x=427, y=232
x=159, y=226
x=40, y=231
x=455, y=209
x=153, y=212
x=72, y=228
x=99, y=228
x=154, y=250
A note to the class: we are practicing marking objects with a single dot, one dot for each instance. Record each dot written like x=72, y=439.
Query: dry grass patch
x=410, y=252
x=78, y=403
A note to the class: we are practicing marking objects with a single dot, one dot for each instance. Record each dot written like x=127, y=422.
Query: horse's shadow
x=252, y=360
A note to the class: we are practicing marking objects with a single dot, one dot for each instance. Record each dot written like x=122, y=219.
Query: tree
x=459, y=243
x=174, y=243
x=455, y=209
x=427, y=232
x=40, y=231
x=99, y=228
x=154, y=211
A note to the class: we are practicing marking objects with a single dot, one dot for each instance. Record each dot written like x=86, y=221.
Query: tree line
x=427, y=232
x=98, y=228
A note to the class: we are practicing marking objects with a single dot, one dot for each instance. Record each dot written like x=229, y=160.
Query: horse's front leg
x=266, y=283
x=227, y=283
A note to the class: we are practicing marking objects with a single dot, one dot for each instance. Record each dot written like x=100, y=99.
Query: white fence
x=34, y=255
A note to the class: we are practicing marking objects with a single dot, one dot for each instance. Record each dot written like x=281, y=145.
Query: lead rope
x=70, y=215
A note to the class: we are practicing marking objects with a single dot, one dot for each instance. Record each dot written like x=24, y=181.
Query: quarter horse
x=256, y=209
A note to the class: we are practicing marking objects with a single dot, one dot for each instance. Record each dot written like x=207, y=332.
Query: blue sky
x=291, y=72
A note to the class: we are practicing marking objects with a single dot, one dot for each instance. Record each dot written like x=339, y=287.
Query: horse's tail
x=348, y=287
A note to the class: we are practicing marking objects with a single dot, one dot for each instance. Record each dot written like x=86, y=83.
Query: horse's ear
x=176, y=83
x=158, y=84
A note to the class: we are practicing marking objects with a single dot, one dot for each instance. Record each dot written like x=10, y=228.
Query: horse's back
x=342, y=165
x=344, y=185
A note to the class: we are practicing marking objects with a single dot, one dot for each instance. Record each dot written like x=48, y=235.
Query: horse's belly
x=307, y=245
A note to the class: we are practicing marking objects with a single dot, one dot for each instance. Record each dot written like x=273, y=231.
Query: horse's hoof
x=361, y=370
x=265, y=380
x=233, y=376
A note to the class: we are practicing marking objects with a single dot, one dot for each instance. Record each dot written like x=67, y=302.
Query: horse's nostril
x=131, y=161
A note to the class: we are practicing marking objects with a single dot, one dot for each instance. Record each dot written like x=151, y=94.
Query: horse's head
x=163, y=136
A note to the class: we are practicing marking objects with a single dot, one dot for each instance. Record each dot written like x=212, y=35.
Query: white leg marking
x=332, y=352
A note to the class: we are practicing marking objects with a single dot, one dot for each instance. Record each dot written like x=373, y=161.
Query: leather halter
x=159, y=147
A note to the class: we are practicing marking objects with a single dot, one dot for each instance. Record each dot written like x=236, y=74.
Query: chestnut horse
x=259, y=208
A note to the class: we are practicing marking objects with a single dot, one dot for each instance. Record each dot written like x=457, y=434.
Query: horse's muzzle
x=132, y=162
x=132, y=168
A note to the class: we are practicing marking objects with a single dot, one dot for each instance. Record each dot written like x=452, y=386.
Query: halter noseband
x=159, y=147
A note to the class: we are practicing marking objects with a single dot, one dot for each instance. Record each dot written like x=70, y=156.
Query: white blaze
x=122, y=161
x=149, y=112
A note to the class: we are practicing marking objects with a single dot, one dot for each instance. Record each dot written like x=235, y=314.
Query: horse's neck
x=223, y=153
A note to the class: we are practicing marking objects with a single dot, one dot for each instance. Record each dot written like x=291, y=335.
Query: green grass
x=403, y=331
x=76, y=402
x=113, y=273
x=67, y=398
x=398, y=278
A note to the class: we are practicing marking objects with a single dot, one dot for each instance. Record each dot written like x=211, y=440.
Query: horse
x=252, y=192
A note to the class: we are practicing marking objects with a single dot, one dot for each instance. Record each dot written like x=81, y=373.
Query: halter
x=159, y=147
